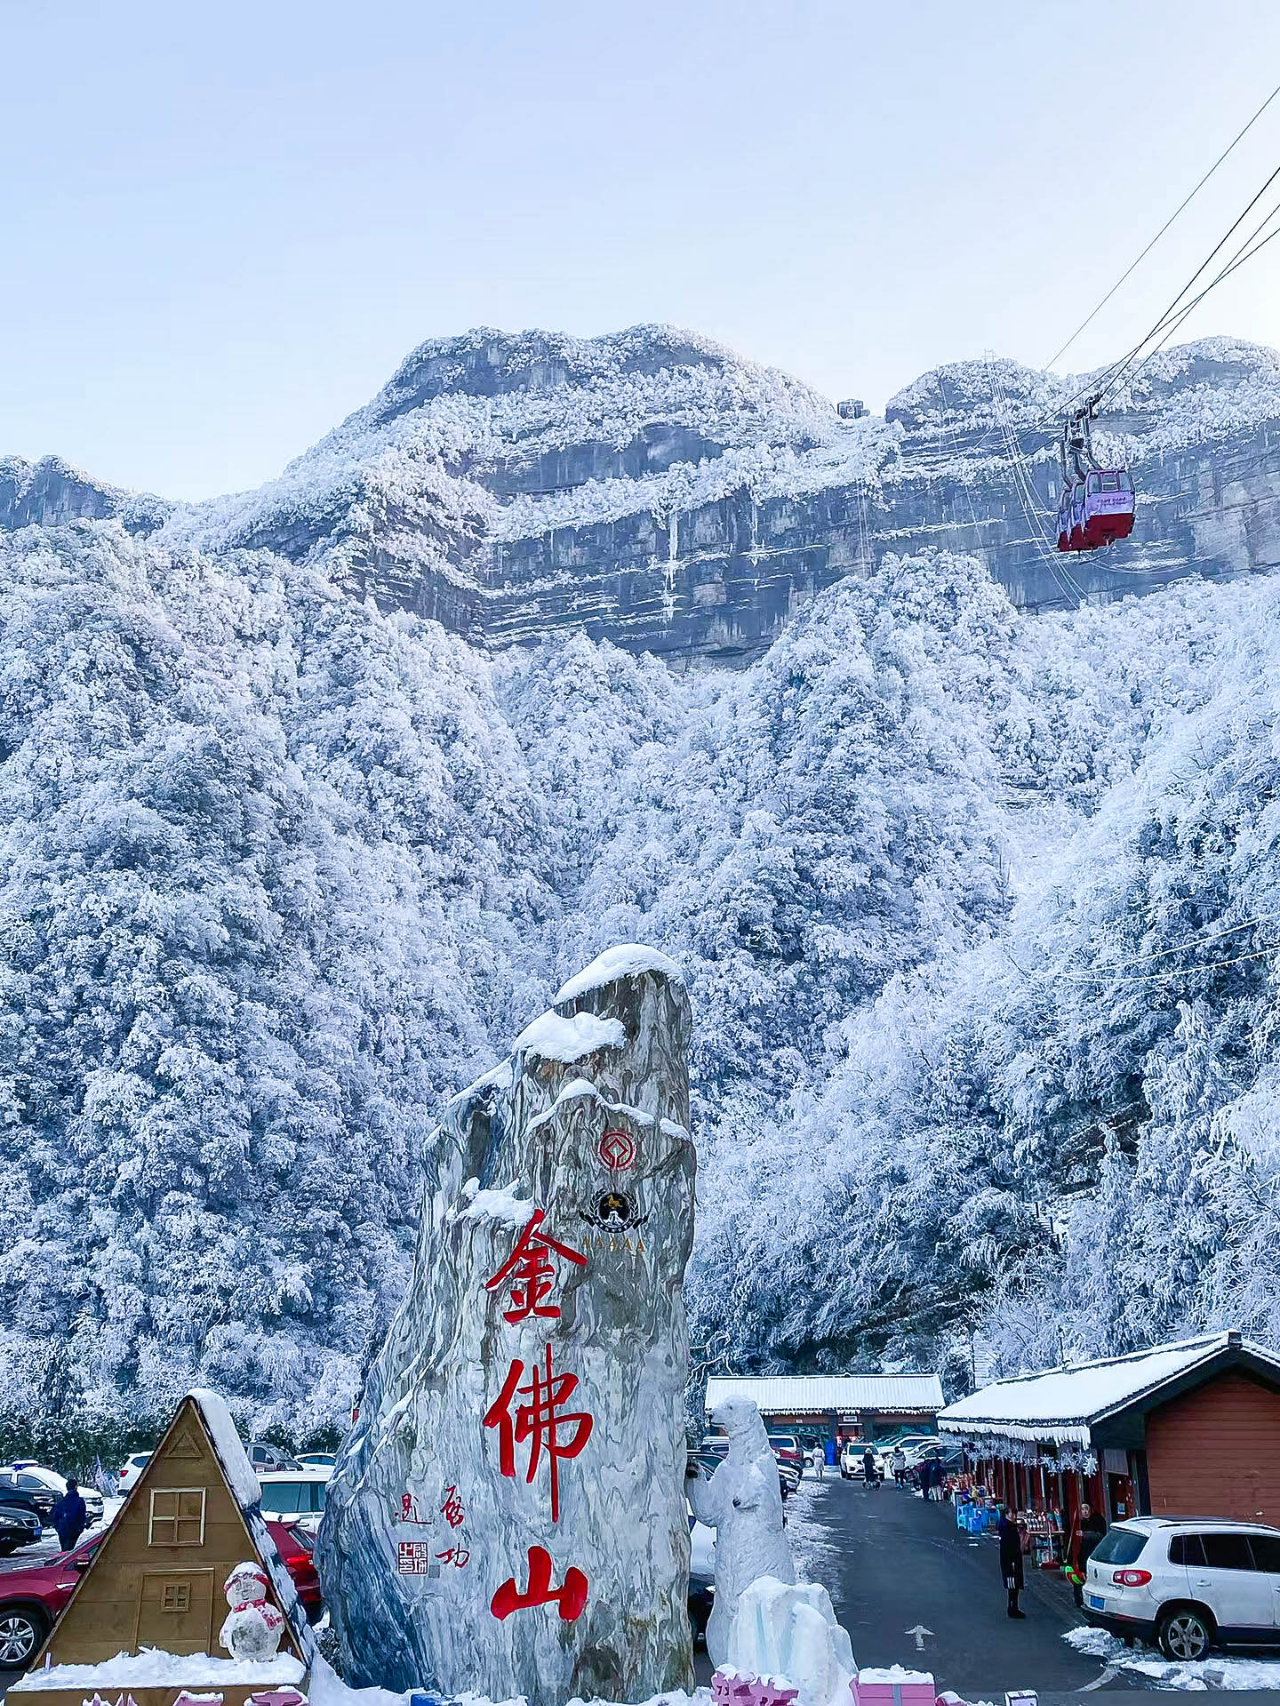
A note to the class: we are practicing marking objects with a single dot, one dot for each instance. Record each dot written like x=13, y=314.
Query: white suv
x=1188, y=1584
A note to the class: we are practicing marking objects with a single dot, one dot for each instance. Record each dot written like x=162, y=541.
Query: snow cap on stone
x=628, y=959
x=557, y=1037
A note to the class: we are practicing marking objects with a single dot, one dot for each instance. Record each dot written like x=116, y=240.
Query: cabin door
x=175, y=1611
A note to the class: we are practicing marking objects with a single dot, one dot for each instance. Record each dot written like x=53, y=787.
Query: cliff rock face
x=51, y=492
x=654, y=489
x=509, y=1513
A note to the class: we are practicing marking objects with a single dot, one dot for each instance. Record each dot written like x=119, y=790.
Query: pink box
x=895, y=1687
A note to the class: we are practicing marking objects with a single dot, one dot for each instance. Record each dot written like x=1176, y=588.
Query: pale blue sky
x=224, y=225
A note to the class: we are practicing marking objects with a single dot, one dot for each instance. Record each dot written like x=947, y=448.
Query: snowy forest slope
x=976, y=909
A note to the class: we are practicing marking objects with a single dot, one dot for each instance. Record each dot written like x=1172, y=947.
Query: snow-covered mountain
x=975, y=904
x=654, y=489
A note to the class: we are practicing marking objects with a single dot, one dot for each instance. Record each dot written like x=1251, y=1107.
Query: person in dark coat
x=70, y=1516
x=1011, y=1569
x=869, y=1468
x=1092, y=1529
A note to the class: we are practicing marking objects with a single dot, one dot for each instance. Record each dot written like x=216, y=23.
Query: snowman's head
x=246, y=1585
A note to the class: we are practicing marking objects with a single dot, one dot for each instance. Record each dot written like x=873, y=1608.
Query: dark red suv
x=31, y=1599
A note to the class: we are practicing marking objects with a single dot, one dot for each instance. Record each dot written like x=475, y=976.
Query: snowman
x=253, y=1627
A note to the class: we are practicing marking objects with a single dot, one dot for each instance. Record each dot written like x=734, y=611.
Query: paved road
x=897, y=1562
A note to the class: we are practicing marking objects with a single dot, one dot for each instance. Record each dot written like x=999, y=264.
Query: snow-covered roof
x=794, y=1394
x=247, y=1492
x=226, y=1442
x=1062, y=1405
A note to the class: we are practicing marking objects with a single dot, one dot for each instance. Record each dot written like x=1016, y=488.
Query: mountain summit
x=653, y=488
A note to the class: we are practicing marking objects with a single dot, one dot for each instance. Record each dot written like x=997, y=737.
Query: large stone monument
x=508, y=1514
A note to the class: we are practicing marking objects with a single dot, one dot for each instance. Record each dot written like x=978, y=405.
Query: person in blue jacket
x=70, y=1516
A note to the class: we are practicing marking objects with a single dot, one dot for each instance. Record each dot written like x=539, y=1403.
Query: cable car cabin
x=1096, y=510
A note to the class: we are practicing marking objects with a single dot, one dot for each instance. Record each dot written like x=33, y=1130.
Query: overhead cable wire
x=1173, y=307
x=1168, y=222
x=1226, y=272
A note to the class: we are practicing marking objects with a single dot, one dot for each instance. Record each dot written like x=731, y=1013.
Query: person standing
x=818, y=1458
x=1011, y=1560
x=70, y=1516
x=869, y=1468
x=899, y=1464
x=1092, y=1529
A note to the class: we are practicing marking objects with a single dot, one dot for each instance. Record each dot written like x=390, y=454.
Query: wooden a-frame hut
x=144, y=1619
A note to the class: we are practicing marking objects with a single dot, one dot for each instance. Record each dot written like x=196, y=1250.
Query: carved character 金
x=530, y=1267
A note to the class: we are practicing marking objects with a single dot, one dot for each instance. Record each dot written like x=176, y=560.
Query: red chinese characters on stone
x=458, y=1556
x=570, y=1598
x=532, y=1272
x=540, y=1421
x=451, y=1510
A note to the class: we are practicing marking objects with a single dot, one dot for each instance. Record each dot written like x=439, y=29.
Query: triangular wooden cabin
x=153, y=1595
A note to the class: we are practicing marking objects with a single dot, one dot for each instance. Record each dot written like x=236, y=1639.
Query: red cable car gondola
x=1097, y=504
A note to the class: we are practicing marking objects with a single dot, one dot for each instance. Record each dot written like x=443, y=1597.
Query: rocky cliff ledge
x=654, y=489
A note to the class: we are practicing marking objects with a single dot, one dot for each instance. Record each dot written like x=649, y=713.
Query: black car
x=20, y=1523
x=702, y=1598
x=17, y=1487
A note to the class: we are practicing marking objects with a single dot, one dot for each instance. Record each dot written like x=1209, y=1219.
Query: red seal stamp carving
x=617, y=1150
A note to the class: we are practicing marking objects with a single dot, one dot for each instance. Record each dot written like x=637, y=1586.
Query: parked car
x=852, y=1464
x=702, y=1578
x=318, y=1459
x=788, y=1450
x=20, y=1525
x=1187, y=1584
x=45, y=1487
x=32, y=1599
x=131, y=1470
x=909, y=1442
x=296, y=1494
x=269, y=1459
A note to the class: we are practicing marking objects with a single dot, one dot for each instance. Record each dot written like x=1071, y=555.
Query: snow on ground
x=153, y=1668
x=811, y=1543
x=328, y=1689
x=1216, y=1672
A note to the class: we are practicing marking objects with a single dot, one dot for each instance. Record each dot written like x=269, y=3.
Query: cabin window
x=1109, y=482
x=176, y=1597
x=1126, y=482
x=177, y=1516
x=1093, y=483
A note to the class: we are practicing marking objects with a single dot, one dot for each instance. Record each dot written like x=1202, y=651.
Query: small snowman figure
x=253, y=1626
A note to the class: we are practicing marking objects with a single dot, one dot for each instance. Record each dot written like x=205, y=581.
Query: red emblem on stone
x=617, y=1149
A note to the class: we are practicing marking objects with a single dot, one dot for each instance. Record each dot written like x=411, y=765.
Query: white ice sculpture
x=784, y=1629
x=742, y=1501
